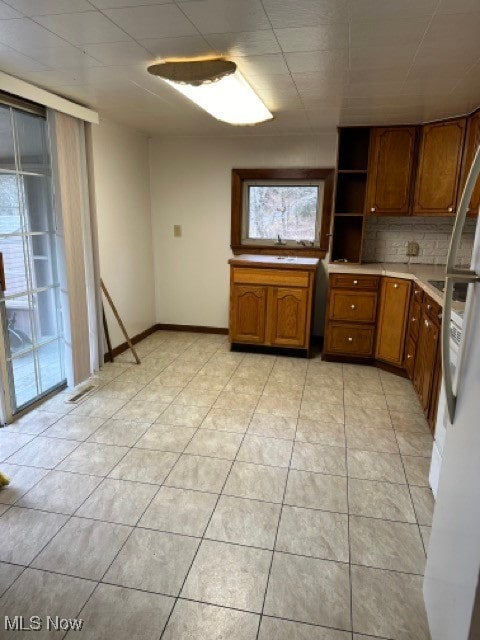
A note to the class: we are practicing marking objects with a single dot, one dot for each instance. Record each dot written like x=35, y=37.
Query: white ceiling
x=315, y=63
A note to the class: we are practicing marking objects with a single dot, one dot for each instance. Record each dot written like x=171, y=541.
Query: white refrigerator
x=452, y=574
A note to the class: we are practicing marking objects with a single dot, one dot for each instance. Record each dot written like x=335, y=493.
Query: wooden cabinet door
x=438, y=170
x=472, y=144
x=410, y=357
x=392, y=320
x=288, y=316
x=426, y=360
x=390, y=171
x=248, y=313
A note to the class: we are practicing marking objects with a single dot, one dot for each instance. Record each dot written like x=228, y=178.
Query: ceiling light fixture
x=217, y=86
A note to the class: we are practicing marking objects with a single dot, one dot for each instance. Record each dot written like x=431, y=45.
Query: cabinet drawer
x=433, y=309
x=350, y=339
x=273, y=277
x=351, y=281
x=352, y=306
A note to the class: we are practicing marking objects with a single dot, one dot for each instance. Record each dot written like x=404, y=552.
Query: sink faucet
x=280, y=241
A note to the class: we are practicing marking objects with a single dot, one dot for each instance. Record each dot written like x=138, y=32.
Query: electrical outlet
x=177, y=230
x=412, y=249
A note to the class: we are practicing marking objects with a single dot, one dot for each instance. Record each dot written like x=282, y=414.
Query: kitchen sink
x=459, y=289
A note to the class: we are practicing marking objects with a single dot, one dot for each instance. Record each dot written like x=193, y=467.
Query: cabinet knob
x=414, y=319
x=450, y=208
x=429, y=306
x=355, y=282
x=395, y=286
x=427, y=324
x=417, y=291
x=349, y=339
x=352, y=306
x=409, y=356
x=372, y=209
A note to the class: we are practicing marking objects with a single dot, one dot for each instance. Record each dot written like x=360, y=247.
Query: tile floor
x=208, y=495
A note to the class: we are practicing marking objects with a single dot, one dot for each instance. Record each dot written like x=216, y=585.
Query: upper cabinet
x=472, y=144
x=390, y=171
x=438, y=170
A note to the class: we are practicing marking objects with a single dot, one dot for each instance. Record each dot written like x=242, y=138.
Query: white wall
x=191, y=186
x=122, y=186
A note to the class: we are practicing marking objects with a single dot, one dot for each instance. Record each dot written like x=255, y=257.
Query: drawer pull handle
x=353, y=306
x=450, y=208
x=395, y=286
x=372, y=209
x=349, y=339
x=355, y=282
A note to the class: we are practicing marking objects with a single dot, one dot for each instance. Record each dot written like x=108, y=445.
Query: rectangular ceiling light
x=230, y=99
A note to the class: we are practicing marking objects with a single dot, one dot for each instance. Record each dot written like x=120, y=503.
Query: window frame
x=241, y=177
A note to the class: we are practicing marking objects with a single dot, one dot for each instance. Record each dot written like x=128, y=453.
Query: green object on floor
x=3, y=480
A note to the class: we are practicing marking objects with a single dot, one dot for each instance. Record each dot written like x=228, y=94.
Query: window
x=275, y=210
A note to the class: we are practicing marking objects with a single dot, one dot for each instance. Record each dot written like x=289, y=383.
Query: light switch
x=177, y=230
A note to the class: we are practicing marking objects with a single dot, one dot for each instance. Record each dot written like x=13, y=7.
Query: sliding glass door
x=32, y=345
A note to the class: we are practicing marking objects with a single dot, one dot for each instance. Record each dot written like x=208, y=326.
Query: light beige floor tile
x=269, y=451
x=22, y=479
x=153, y=561
x=169, y=379
x=118, y=501
x=183, y=416
x=34, y=422
x=60, y=492
x=232, y=400
x=247, y=522
x=57, y=404
x=415, y=444
x=99, y=407
x=367, y=417
x=122, y=433
x=207, y=622
x=73, y=427
x=92, y=458
x=395, y=386
x=331, y=434
x=417, y=470
x=140, y=411
x=379, y=440
x=244, y=385
x=166, y=438
x=279, y=406
x=270, y=426
x=309, y=532
x=154, y=392
x=323, y=395
x=46, y=453
x=199, y=473
x=316, y=491
x=406, y=403
x=116, y=612
x=309, y=590
x=8, y=574
x=196, y=397
x=144, y=465
x=386, y=545
x=319, y=458
x=360, y=371
x=276, y=629
x=425, y=531
x=83, y=548
x=207, y=382
x=370, y=465
x=179, y=511
x=380, y=500
x=389, y=604
x=227, y=420
x=121, y=388
x=24, y=532
x=256, y=481
x=409, y=422
x=287, y=390
x=325, y=378
x=423, y=503
x=322, y=412
x=216, y=444
x=37, y=593
x=11, y=441
x=368, y=385
x=228, y=575
x=361, y=399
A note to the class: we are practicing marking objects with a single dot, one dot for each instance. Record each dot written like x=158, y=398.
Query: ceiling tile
x=155, y=21
x=89, y=27
x=14, y=62
x=384, y=32
x=326, y=63
x=278, y=92
x=457, y=6
x=386, y=57
x=313, y=86
x=224, y=16
x=118, y=53
x=185, y=46
x=271, y=64
x=115, y=4
x=328, y=36
x=7, y=13
x=305, y=13
x=377, y=75
x=247, y=43
x=371, y=89
x=43, y=7
x=363, y=9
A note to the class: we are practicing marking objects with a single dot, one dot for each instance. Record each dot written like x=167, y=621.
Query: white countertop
x=420, y=273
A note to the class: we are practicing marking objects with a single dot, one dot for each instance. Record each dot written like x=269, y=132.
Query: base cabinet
x=392, y=320
x=271, y=306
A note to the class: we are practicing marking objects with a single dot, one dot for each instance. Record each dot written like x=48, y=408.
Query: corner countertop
x=282, y=262
x=420, y=273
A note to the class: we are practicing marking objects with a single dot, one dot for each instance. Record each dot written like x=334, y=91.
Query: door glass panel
x=32, y=331
x=7, y=153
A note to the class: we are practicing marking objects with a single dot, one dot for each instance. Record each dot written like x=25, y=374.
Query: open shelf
x=350, y=197
x=353, y=148
x=347, y=238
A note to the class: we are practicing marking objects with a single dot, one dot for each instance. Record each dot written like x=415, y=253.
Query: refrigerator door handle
x=453, y=274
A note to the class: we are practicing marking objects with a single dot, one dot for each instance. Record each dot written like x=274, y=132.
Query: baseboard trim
x=191, y=328
x=116, y=351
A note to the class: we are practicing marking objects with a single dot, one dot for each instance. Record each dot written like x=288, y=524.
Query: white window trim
x=246, y=240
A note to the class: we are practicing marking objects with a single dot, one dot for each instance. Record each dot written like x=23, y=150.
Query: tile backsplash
x=386, y=240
